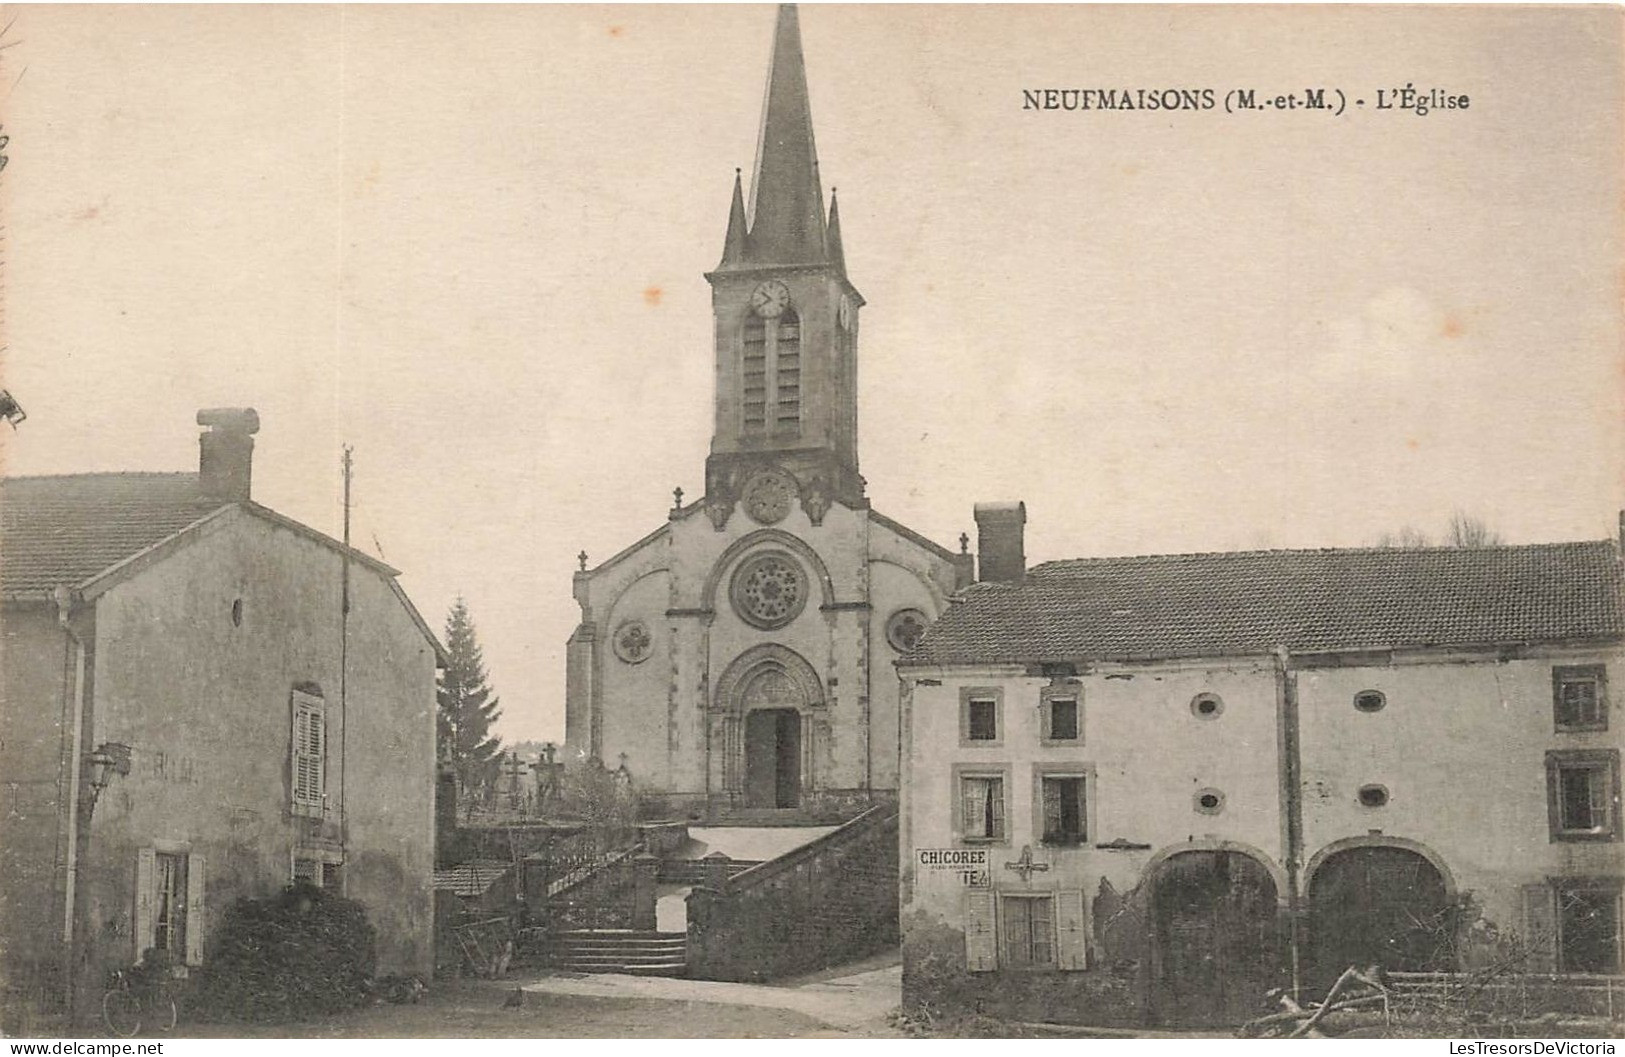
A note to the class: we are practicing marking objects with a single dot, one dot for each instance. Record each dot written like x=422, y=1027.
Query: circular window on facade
x=1373, y=796
x=633, y=641
x=768, y=497
x=1208, y=801
x=769, y=590
x=904, y=629
x=1369, y=700
x=1207, y=706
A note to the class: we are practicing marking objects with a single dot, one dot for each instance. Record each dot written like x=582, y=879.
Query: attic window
x=1373, y=796
x=1207, y=706
x=1369, y=701
x=1208, y=801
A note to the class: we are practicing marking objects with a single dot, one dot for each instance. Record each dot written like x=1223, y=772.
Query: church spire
x=786, y=201
x=734, y=246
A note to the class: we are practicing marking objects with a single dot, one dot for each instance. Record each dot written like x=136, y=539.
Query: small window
x=1066, y=812
x=1060, y=718
x=1208, y=801
x=1579, y=698
x=1370, y=701
x=1207, y=706
x=237, y=613
x=1588, y=932
x=984, y=720
x=982, y=807
x=1582, y=789
x=981, y=717
x=1373, y=796
x=319, y=872
x=1029, y=932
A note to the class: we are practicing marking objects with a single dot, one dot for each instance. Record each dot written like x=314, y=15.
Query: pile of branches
x=301, y=953
x=1356, y=991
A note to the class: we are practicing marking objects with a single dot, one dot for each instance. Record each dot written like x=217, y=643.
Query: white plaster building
x=1147, y=789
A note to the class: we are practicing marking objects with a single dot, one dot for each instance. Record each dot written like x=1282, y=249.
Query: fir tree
x=467, y=709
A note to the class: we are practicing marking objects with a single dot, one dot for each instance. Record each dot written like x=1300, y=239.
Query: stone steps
x=635, y=951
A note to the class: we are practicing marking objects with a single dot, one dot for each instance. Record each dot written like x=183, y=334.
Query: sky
x=470, y=242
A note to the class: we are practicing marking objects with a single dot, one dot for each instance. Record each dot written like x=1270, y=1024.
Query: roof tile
x=63, y=530
x=1224, y=604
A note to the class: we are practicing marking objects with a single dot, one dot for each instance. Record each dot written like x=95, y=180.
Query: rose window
x=632, y=641
x=769, y=590
x=904, y=628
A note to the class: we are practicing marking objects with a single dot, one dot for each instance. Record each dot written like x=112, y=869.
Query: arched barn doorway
x=1378, y=905
x=1216, y=947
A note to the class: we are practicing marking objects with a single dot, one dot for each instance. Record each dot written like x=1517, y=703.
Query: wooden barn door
x=1217, y=942
x=1378, y=906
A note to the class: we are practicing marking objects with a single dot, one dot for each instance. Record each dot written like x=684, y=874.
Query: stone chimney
x=226, y=452
x=1001, y=542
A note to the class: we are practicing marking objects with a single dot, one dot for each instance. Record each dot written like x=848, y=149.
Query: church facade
x=739, y=660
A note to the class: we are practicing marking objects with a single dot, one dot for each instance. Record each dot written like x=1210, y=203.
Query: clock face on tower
x=770, y=299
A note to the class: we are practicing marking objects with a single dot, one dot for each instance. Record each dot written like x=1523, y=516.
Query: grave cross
x=1025, y=865
x=514, y=771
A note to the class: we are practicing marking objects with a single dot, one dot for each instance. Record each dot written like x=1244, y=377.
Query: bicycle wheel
x=164, y=1013
x=121, y=1011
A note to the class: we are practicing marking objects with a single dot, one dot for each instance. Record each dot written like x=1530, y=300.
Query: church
x=738, y=661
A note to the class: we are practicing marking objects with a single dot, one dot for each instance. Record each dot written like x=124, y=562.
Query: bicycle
x=139, y=994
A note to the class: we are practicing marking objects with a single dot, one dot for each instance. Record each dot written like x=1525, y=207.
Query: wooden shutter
x=1071, y=931
x=970, y=807
x=308, y=738
x=146, y=870
x=995, y=798
x=1540, y=928
x=981, y=944
x=197, y=868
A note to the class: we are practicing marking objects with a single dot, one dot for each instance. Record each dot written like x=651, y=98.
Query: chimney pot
x=1001, y=542
x=226, y=452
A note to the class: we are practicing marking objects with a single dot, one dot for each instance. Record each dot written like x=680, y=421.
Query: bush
x=301, y=953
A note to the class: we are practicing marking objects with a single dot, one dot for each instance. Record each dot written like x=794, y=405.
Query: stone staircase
x=634, y=951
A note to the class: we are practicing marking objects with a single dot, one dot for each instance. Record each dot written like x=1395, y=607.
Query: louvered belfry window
x=308, y=761
x=772, y=374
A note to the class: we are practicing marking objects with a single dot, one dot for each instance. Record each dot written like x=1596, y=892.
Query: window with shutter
x=1029, y=931
x=308, y=758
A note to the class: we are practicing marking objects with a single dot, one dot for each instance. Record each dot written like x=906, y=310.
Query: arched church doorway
x=774, y=692
x=773, y=758
x=1216, y=944
x=1379, y=905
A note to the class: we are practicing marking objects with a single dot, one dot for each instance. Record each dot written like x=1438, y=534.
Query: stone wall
x=824, y=903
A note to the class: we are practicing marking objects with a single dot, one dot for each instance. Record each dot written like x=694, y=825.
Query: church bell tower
x=786, y=316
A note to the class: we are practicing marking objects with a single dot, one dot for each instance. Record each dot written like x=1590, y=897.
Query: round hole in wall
x=1207, y=706
x=1369, y=700
x=1208, y=801
x=1373, y=795
x=237, y=613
